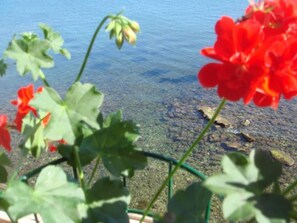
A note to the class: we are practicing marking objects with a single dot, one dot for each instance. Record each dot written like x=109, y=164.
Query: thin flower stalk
x=184, y=157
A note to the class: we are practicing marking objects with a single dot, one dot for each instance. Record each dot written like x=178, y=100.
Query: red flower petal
x=52, y=146
x=208, y=75
x=25, y=95
x=5, y=138
x=263, y=100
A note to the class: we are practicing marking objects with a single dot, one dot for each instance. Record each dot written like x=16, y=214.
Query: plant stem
x=45, y=82
x=42, y=76
x=184, y=157
x=10, y=217
x=80, y=172
x=90, y=48
x=94, y=170
x=290, y=187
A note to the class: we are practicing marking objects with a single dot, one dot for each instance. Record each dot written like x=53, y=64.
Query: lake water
x=154, y=83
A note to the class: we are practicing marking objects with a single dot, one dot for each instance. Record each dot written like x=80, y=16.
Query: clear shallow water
x=146, y=80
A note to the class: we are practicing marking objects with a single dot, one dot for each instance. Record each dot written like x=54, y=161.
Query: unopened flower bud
x=111, y=34
x=110, y=25
x=134, y=26
x=119, y=40
x=129, y=35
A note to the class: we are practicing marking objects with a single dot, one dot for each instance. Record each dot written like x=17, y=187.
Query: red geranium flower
x=234, y=47
x=4, y=133
x=52, y=146
x=256, y=54
x=25, y=94
x=277, y=17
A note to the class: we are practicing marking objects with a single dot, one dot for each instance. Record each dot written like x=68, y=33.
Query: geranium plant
x=73, y=126
x=256, y=61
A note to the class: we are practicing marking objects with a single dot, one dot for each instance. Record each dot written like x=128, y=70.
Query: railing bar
x=124, y=182
x=74, y=172
x=208, y=212
x=170, y=183
x=37, y=170
x=183, y=166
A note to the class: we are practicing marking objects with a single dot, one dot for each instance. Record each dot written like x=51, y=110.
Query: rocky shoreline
x=234, y=130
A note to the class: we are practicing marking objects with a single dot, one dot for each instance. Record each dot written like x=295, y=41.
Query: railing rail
x=171, y=162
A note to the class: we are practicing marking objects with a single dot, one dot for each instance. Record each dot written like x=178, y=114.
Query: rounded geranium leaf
x=53, y=197
x=81, y=105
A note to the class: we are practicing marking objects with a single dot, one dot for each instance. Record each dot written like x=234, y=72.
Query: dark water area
x=154, y=83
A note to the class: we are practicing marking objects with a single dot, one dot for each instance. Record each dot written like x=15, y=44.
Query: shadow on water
x=183, y=79
x=154, y=73
x=100, y=66
x=139, y=59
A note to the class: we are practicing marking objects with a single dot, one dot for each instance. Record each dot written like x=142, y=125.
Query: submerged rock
x=247, y=137
x=282, y=157
x=208, y=112
x=246, y=122
x=235, y=146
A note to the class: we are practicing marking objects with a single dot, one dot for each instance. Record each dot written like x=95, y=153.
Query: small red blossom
x=46, y=119
x=5, y=138
x=25, y=94
x=256, y=55
x=52, y=146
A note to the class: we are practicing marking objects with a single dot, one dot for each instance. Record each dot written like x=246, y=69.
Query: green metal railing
x=171, y=162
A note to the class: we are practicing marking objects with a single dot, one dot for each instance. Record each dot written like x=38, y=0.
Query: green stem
x=10, y=217
x=42, y=76
x=184, y=157
x=90, y=48
x=45, y=82
x=290, y=187
x=80, y=172
x=94, y=170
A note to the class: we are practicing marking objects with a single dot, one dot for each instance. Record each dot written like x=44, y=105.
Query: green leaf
x=114, y=118
x=117, y=27
x=243, y=182
x=80, y=107
x=272, y=208
x=86, y=155
x=55, y=40
x=242, y=173
x=4, y=162
x=32, y=131
x=3, y=67
x=266, y=175
x=30, y=54
x=220, y=184
x=110, y=25
x=115, y=144
x=236, y=207
x=106, y=190
x=53, y=197
x=188, y=206
x=107, y=202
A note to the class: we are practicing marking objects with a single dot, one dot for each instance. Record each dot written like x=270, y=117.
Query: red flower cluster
x=257, y=54
x=25, y=95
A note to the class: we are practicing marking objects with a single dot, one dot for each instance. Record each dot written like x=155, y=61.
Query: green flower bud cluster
x=122, y=29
